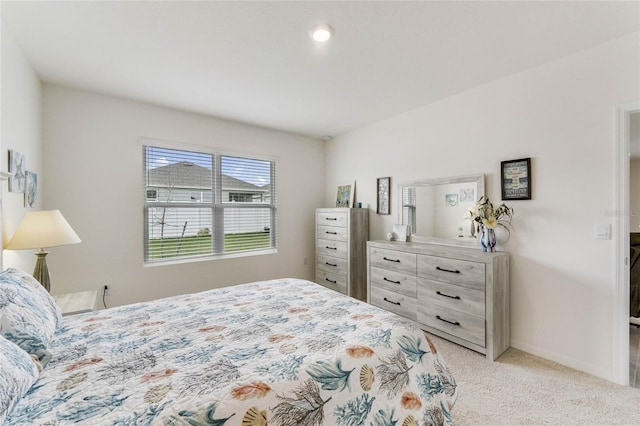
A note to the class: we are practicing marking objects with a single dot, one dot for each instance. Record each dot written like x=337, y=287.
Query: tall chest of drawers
x=458, y=293
x=341, y=238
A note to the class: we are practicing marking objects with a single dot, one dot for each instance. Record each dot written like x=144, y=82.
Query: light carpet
x=522, y=389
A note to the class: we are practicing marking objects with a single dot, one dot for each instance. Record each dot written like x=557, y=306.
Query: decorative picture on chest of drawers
x=341, y=243
x=458, y=293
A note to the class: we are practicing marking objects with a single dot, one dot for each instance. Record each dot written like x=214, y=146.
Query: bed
x=278, y=352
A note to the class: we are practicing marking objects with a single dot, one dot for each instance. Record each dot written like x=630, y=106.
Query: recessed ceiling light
x=321, y=32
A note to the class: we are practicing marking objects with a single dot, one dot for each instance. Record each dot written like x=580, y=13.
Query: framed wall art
x=515, y=179
x=31, y=189
x=18, y=179
x=346, y=194
x=384, y=191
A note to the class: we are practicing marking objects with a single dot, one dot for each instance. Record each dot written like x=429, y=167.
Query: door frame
x=620, y=335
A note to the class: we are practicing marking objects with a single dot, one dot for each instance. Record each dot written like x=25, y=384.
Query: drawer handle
x=331, y=264
x=450, y=322
x=447, y=270
x=391, y=260
x=446, y=295
x=391, y=281
x=331, y=281
x=330, y=233
x=391, y=301
x=331, y=248
x=331, y=218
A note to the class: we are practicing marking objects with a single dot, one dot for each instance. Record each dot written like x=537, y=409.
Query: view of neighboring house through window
x=205, y=204
x=409, y=208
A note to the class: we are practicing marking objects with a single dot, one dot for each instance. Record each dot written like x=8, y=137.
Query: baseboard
x=594, y=370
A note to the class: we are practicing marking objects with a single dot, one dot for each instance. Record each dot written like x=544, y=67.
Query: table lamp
x=38, y=230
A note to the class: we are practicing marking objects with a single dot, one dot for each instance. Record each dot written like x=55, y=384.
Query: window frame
x=217, y=206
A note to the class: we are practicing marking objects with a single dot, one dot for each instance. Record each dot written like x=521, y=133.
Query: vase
x=488, y=239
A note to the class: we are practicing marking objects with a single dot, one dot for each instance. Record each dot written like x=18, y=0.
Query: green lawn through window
x=197, y=245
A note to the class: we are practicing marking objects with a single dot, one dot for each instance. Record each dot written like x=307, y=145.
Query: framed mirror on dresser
x=435, y=209
x=440, y=278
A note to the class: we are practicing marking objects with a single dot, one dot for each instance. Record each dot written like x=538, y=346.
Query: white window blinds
x=409, y=208
x=200, y=204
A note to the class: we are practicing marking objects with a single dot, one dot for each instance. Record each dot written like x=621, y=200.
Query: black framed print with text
x=515, y=179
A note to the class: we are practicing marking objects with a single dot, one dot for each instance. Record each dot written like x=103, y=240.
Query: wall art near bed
x=31, y=189
x=18, y=179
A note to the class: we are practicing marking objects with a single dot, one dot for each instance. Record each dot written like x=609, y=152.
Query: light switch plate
x=602, y=231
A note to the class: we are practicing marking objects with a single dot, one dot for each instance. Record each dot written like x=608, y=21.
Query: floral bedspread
x=281, y=352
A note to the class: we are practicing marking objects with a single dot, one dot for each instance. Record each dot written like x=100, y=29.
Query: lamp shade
x=40, y=229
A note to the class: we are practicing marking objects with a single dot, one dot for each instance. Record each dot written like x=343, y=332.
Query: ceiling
x=254, y=62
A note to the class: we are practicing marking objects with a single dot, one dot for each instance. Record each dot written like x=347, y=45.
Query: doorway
x=634, y=255
x=624, y=351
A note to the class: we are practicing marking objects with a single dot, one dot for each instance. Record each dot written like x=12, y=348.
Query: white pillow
x=18, y=372
x=28, y=314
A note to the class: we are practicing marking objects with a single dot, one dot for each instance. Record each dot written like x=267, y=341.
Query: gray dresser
x=460, y=294
x=341, y=238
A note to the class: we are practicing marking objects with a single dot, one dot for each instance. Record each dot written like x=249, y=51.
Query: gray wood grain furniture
x=77, y=303
x=341, y=238
x=458, y=293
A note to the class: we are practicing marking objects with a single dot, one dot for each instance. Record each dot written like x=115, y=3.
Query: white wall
x=94, y=176
x=559, y=114
x=21, y=131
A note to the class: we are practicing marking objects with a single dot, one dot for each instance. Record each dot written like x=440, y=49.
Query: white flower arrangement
x=485, y=215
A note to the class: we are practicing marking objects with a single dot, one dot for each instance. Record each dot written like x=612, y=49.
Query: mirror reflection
x=436, y=208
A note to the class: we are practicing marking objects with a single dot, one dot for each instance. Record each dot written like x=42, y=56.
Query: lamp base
x=41, y=272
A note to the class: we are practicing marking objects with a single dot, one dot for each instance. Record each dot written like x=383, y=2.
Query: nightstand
x=77, y=303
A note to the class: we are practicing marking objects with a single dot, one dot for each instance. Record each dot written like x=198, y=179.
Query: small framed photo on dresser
x=515, y=179
x=384, y=188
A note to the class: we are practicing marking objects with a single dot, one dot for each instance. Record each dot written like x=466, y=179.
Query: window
x=409, y=208
x=200, y=204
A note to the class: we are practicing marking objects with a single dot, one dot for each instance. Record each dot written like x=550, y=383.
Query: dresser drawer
x=452, y=296
x=332, y=264
x=332, y=219
x=394, y=302
x=457, y=323
x=332, y=248
x=392, y=260
x=393, y=281
x=333, y=233
x=462, y=272
x=337, y=282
